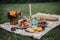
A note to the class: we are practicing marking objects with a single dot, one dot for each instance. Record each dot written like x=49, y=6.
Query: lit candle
x=30, y=9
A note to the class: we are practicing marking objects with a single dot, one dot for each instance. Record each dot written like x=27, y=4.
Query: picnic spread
x=36, y=25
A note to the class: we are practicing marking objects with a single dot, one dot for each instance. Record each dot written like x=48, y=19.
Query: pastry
x=30, y=30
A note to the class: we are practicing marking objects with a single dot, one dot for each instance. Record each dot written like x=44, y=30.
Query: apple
x=23, y=21
x=26, y=25
x=20, y=25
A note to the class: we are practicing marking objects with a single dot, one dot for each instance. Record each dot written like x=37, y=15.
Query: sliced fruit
x=38, y=28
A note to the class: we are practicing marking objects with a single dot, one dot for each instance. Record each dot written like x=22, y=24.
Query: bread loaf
x=47, y=17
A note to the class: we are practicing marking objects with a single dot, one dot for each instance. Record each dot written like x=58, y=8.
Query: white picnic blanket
x=36, y=35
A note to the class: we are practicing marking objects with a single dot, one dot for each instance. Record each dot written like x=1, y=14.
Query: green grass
x=51, y=8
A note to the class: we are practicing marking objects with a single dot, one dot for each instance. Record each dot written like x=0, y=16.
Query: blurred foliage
x=27, y=1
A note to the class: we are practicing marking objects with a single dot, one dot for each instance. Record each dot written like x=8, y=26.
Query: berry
x=13, y=29
x=43, y=22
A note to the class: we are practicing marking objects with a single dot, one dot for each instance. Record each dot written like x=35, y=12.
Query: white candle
x=30, y=9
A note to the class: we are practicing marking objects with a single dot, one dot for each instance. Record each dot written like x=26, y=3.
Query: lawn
x=51, y=8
